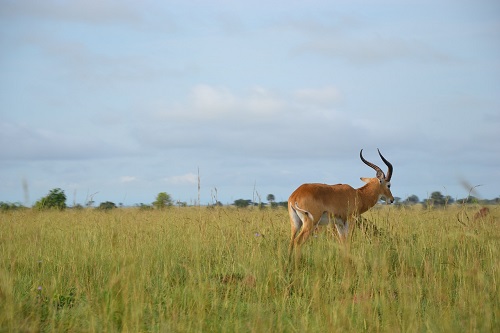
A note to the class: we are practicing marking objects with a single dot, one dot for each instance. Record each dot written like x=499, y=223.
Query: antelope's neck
x=367, y=196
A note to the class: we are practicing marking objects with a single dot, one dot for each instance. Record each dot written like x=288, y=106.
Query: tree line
x=56, y=199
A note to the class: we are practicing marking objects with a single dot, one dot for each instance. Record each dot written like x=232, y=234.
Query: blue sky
x=121, y=100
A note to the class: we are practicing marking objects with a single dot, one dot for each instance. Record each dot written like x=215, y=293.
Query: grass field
x=225, y=270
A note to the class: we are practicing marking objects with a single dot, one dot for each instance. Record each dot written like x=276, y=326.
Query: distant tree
x=107, y=205
x=270, y=198
x=143, y=206
x=242, y=203
x=412, y=200
x=259, y=205
x=55, y=199
x=448, y=200
x=181, y=203
x=437, y=199
x=469, y=200
x=5, y=206
x=163, y=200
x=494, y=201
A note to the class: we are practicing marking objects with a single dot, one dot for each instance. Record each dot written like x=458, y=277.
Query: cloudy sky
x=120, y=100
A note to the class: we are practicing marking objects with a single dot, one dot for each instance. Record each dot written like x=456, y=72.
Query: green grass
x=225, y=270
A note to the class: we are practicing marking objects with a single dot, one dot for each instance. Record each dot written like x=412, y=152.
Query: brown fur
x=482, y=213
x=340, y=202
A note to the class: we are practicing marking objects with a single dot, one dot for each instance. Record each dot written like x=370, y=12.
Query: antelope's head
x=384, y=180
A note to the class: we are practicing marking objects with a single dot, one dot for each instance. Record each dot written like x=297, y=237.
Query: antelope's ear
x=366, y=180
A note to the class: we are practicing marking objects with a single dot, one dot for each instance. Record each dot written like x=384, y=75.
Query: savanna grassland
x=225, y=270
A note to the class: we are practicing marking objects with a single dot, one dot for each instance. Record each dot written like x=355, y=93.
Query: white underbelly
x=326, y=219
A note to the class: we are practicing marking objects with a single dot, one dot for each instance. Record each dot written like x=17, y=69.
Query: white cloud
x=258, y=121
x=127, y=179
x=49, y=144
x=218, y=103
x=355, y=40
x=367, y=50
x=186, y=179
x=215, y=103
x=95, y=12
x=263, y=102
x=210, y=101
x=323, y=96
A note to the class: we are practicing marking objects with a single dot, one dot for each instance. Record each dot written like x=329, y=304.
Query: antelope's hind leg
x=295, y=226
x=307, y=228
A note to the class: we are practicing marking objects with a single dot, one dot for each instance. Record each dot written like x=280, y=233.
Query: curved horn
x=389, y=166
x=380, y=173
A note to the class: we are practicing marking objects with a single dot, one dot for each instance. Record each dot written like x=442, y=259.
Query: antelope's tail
x=303, y=211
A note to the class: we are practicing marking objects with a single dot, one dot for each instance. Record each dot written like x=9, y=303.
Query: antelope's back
x=318, y=198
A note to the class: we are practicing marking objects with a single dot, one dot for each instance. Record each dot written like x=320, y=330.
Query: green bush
x=56, y=199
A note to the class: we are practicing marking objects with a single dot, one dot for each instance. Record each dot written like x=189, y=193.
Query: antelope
x=311, y=205
x=482, y=213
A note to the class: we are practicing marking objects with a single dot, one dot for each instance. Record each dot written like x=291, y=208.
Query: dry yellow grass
x=225, y=270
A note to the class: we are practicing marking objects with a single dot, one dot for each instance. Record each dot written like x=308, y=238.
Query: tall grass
x=225, y=270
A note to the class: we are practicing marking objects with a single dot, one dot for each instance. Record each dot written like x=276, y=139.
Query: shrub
x=55, y=199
